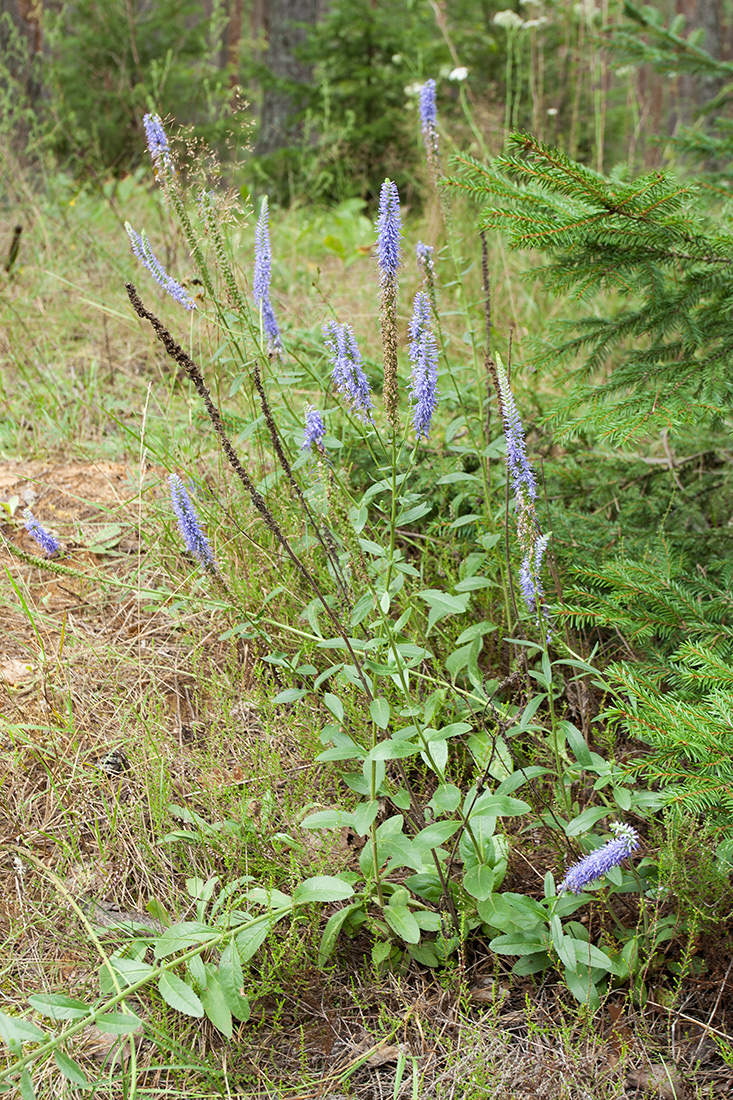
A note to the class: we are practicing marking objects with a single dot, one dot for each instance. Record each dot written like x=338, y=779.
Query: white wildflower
x=508, y=19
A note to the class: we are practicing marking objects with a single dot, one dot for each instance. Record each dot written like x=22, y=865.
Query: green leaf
x=585, y=821
x=577, y=743
x=393, y=750
x=582, y=987
x=401, y=852
x=334, y=924
x=513, y=944
x=425, y=954
x=335, y=705
x=231, y=979
x=180, y=937
x=416, y=512
x=128, y=972
x=478, y=630
x=562, y=944
x=59, y=1007
x=14, y=1029
x=499, y=805
x=479, y=881
x=27, y=1092
x=519, y=778
x=289, y=695
x=364, y=815
x=623, y=798
x=216, y=1005
x=442, y=605
x=322, y=888
x=432, y=836
x=513, y=912
x=71, y=1070
x=379, y=710
x=251, y=939
x=402, y=923
x=180, y=996
x=118, y=1023
x=588, y=955
x=446, y=799
x=437, y=759
x=327, y=819
x=197, y=970
x=532, y=964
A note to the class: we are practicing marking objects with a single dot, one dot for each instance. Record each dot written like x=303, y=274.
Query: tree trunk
x=286, y=28
x=27, y=19
x=708, y=16
x=233, y=41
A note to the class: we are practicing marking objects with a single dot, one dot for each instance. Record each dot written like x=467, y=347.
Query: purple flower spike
x=520, y=471
x=429, y=122
x=315, y=430
x=347, y=368
x=530, y=574
x=146, y=256
x=157, y=143
x=532, y=543
x=423, y=353
x=48, y=542
x=610, y=855
x=428, y=109
x=190, y=527
x=262, y=277
x=389, y=234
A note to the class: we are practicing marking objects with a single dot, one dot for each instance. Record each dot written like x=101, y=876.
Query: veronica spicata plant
x=434, y=745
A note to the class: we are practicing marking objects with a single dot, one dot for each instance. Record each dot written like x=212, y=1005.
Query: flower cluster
x=610, y=855
x=532, y=543
x=142, y=250
x=262, y=277
x=389, y=234
x=423, y=352
x=347, y=368
x=158, y=146
x=48, y=542
x=429, y=123
x=508, y=20
x=190, y=526
x=315, y=430
x=389, y=258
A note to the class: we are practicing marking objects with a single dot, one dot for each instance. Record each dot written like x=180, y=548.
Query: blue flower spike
x=423, y=352
x=347, y=369
x=158, y=147
x=532, y=543
x=49, y=543
x=429, y=124
x=263, y=276
x=190, y=526
x=594, y=866
x=144, y=253
x=315, y=430
x=389, y=259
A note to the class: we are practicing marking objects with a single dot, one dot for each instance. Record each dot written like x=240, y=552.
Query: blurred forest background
x=323, y=92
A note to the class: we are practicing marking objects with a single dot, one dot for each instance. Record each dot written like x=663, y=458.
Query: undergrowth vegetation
x=392, y=669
